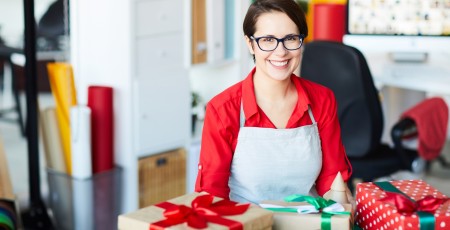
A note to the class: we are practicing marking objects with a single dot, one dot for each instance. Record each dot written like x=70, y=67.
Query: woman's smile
x=279, y=63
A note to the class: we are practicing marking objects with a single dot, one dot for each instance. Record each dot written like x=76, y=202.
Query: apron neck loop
x=242, y=116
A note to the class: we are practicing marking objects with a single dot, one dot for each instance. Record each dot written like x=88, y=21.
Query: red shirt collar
x=249, y=99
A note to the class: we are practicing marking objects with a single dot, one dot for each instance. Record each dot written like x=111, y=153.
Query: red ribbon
x=202, y=211
x=408, y=207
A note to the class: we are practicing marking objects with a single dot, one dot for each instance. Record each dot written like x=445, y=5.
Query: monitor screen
x=399, y=17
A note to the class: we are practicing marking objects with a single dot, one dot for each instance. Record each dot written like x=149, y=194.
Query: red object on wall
x=100, y=101
x=329, y=21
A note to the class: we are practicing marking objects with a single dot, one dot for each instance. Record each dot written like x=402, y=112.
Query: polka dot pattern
x=373, y=214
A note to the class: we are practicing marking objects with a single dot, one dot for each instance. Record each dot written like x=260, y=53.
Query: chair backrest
x=52, y=22
x=344, y=70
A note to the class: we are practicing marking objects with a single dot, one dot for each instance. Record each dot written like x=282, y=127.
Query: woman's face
x=280, y=63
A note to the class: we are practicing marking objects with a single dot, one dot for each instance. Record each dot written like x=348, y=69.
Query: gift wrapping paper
x=310, y=221
x=101, y=103
x=147, y=218
x=374, y=213
x=329, y=21
x=62, y=84
x=80, y=132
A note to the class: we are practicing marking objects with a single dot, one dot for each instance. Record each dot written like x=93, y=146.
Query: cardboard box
x=375, y=209
x=254, y=217
x=311, y=221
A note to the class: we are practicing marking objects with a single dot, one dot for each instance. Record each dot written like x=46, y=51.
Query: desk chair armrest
x=403, y=129
x=6, y=52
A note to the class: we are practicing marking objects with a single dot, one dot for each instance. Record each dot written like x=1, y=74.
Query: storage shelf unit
x=138, y=48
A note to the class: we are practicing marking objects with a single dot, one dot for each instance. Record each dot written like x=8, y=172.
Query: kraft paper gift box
x=287, y=220
x=402, y=204
x=153, y=217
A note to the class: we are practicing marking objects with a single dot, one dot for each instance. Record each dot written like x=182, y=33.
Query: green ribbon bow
x=319, y=203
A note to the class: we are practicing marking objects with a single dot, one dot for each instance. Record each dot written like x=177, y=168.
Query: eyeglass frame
x=301, y=36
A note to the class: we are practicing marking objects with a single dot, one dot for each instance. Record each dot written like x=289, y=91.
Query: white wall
x=209, y=80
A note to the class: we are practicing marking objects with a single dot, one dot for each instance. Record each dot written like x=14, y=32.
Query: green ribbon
x=426, y=219
x=318, y=202
x=294, y=210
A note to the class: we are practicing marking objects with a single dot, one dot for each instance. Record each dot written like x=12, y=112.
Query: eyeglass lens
x=271, y=43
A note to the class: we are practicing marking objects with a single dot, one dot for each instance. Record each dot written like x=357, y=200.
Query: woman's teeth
x=278, y=63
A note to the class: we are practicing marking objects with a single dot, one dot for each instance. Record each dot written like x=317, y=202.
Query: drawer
x=163, y=110
x=158, y=16
x=162, y=177
x=159, y=52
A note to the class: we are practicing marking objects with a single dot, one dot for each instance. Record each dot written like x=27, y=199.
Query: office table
x=431, y=76
x=404, y=84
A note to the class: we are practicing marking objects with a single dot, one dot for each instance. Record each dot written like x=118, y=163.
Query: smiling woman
x=273, y=134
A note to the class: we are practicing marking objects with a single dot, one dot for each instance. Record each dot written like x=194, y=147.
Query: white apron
x=270, y=164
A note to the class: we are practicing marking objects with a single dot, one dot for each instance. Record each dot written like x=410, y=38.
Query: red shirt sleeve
x=215, y=156
x=334, y=158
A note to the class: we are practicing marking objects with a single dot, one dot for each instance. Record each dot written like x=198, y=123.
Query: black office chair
x=51, y=27
x=344, y=70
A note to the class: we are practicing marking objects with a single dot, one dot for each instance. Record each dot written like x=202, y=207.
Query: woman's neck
x=276, y=98
x=271, y=90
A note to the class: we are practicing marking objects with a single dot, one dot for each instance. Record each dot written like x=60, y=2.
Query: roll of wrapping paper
x=329, y=21
x=310, y=14
x=100, y=101
x=8, y=214
x=80, y=128
x=63, y=90
x=54, y=155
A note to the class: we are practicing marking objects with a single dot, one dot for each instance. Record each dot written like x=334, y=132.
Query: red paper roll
x=329, y=21
x=100, y=100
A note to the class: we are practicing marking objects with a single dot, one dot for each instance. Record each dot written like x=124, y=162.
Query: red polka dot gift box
x=401, y=205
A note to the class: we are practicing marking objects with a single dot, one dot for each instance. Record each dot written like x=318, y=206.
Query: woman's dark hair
x=289, y=7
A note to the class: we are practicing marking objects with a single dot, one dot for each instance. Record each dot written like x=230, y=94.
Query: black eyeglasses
x=270, y=43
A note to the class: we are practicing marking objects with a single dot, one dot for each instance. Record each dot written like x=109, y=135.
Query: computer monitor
x=409, y=30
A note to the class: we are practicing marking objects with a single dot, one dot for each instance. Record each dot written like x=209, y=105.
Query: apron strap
x=242, y=116
x=311, y=116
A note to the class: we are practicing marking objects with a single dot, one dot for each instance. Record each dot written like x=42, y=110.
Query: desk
x=43, y=58
x=435, y=80
x=87, y=204
x=401, y=90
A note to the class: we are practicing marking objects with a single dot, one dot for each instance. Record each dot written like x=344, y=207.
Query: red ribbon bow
x=408, y=206
x=203, y=211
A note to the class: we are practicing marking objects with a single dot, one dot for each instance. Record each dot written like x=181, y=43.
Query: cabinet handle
x=201, y=47
x=161, y=161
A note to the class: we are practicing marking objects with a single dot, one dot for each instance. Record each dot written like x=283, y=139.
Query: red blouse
x=221, y=128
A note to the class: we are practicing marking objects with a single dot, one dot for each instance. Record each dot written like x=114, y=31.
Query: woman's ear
x=249, y=43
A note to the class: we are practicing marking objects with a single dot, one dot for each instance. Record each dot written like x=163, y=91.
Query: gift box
x=288, y=215
x=197, y=211
x=402, y=204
